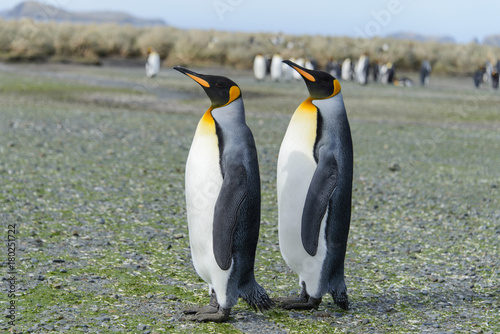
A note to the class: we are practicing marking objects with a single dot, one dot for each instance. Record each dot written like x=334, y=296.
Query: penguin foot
x=303, y=302
x=204, y=309
x=288, y=303
x=213, y=307
x=221, y=315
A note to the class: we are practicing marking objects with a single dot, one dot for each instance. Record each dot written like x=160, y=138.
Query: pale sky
x=463, y=20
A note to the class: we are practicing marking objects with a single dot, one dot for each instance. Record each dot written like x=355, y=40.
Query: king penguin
x=153, y=63
x=259, y=67
x=314, y=183
x=223, y=201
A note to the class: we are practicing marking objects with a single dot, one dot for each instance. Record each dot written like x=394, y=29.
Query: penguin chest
x=203, y=184
x=296, y=167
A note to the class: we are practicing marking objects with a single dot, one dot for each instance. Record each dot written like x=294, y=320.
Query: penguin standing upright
x=259, y=67
x=425, y=72
x=346, y=69
x=362, y=69
x=314, y=183
x=276, y=67
x=153, y=63
x=223, y=201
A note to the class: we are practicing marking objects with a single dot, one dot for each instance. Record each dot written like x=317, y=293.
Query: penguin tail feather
x=256, y=297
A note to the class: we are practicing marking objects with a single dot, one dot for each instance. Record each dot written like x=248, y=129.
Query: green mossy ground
x=92, y=171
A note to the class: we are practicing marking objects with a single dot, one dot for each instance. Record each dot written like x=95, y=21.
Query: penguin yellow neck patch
x=206, y=126
x=307, y=106
x=234, y=93
x=336, y=88
x=199, y=80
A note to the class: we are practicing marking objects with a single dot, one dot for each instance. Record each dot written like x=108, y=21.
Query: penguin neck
x=307, y=106
x=229, y=115
x=334, y=104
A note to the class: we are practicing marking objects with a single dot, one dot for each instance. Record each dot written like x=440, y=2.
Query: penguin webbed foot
x=290, y=303
x=303, y=302
x=203, y=309
x=220, y=315
x=210, y=313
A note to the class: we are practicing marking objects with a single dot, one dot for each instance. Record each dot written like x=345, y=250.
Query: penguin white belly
x=296, y=166
x=259, y=67
x=153, y=65
x=203, y=184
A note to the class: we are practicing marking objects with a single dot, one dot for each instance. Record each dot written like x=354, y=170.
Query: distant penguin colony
x=223, y=201
x=314, y=183
x=153, y=63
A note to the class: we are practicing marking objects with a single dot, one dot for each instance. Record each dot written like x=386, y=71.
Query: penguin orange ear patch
x=336, y=87
x=234, y=93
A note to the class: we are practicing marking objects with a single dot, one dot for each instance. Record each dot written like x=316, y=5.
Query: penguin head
x=321, y=85
x=221, y=90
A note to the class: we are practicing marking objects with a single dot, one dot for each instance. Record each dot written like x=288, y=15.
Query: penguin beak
x=193, y=75
x=302, y=71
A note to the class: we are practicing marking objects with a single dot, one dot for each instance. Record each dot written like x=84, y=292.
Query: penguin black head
x=220, y=90
x=321, y=85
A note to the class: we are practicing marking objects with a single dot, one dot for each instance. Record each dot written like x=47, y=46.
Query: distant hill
x=42, y=12
x=421, y=38
x=493, y=40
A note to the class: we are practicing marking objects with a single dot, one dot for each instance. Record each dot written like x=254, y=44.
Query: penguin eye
x=218, y=84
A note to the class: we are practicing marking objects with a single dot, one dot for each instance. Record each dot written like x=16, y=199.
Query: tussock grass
x=26, y=40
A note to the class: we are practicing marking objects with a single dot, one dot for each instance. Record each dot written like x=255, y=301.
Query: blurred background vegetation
x=28, y=40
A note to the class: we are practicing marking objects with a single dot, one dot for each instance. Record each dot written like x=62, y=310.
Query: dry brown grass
x=27, y=40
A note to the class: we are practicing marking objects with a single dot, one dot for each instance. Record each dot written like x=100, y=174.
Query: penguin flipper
x=318, y=196
x=233, y=192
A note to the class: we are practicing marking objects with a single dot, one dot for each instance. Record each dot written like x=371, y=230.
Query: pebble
x=58, y=261
x=172, y=297
x=142, y=327
x=394, y=167
x=103, y=318
x=322, y=314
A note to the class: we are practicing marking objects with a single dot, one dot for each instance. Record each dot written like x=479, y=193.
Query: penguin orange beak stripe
x=192, y=75
x=199, y=80
x=305, y=74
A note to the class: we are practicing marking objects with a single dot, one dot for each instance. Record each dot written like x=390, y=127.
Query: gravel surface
x=96, y=192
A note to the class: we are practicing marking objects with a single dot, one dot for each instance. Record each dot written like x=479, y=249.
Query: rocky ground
x=91, y=170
